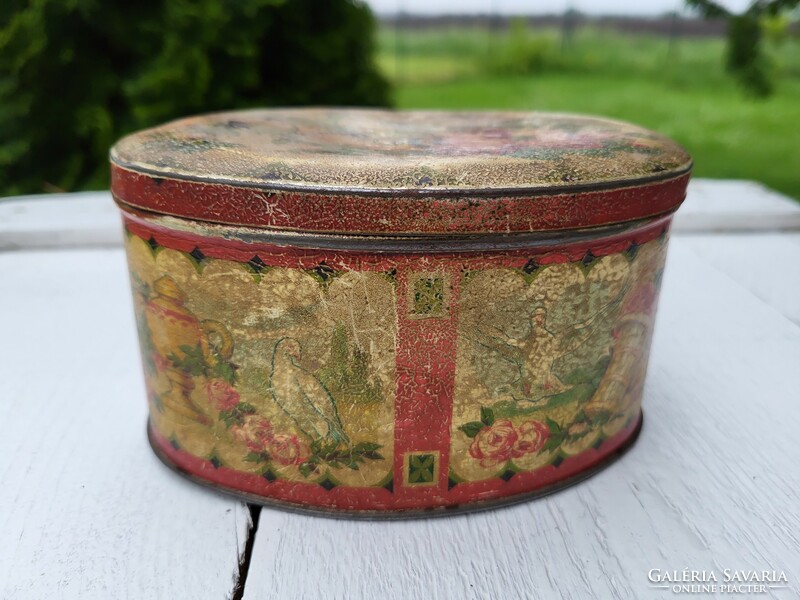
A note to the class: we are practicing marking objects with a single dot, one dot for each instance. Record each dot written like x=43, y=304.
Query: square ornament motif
x=429, y=296
x=421, y=468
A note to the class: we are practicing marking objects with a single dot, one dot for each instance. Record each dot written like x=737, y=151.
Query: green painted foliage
x=77, y=74
x=349, y=375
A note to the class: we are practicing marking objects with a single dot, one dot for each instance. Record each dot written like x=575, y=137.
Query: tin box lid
x=369, y=171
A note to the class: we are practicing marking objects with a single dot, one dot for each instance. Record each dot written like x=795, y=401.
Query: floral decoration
x=496, y=442
x=223, y=395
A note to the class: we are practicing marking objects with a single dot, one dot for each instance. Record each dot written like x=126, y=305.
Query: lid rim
x=432, y=192
x=403, y=243
x=351, y=171
x=350, y=214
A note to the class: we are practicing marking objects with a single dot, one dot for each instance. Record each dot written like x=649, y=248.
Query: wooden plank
x=90, y=219
x=765, y=264
x=79, y=220
x=717, y=205
x=86, y=510
x=711, y=484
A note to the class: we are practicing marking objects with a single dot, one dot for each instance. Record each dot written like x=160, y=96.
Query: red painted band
x=361, y=214
x=313, y=495
x=425, y=381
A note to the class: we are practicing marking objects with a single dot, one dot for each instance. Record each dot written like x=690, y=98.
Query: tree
x=75, y=75
x=746, y=59
x=349, y=372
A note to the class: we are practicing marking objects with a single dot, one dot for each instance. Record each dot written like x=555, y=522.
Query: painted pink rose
x=494, y=445
x=222, y=394
x=255, y=432
x=531, y=437
x=160, y=361
x=287, y=449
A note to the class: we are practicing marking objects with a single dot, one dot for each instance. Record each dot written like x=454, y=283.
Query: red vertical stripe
x=426, y=364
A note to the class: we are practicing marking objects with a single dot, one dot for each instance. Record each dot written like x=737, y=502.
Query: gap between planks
x=247, y=554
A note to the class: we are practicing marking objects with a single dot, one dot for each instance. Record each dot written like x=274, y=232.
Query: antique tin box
x=389, y=313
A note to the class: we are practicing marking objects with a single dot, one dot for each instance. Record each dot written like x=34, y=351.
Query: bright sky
x=594, y=7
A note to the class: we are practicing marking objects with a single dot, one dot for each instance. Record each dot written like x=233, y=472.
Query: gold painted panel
x=551, y=359
x=295, y=381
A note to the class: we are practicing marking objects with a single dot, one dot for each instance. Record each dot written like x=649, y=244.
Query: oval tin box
x=387, y=313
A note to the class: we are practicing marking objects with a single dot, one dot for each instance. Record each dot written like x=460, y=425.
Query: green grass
x=682, y=92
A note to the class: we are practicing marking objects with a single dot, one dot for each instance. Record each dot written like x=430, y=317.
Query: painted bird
x=302, y=396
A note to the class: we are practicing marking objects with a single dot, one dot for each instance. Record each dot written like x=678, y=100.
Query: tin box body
x=394, y=313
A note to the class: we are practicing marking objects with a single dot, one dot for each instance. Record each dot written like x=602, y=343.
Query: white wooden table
x=713, y=483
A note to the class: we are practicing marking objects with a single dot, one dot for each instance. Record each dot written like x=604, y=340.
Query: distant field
x=681, y=91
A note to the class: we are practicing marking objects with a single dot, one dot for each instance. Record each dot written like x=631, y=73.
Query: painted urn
x=384, y=313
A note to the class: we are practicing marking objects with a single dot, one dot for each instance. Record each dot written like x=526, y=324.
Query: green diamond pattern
x=428, y=296
x=421, y=468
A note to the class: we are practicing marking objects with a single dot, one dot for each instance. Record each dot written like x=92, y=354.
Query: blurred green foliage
x=746, y=59
x=522, y=52
x=75, y=75
x=776, y=28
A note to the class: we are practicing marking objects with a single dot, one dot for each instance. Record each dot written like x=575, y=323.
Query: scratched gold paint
x=541, y=349
x=319, y=333
x=260, y=313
